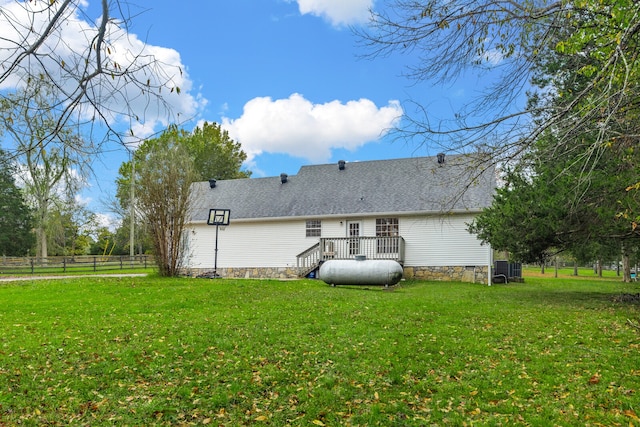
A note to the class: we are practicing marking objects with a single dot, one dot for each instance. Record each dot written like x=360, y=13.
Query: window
x=314, y=228
x=387, y=233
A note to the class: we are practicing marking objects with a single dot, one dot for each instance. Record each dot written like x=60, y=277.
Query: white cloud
x=109, y=221
x=297, y=127
x=119, y=99
x=338, y=12
x=83, y=201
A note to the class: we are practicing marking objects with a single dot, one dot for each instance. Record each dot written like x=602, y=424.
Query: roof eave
x=353, y=215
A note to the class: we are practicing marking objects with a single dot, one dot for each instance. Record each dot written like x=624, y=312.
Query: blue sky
x=278, y=78
x=285, y=77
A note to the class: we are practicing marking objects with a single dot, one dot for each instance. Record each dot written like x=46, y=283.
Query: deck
x=347, y=248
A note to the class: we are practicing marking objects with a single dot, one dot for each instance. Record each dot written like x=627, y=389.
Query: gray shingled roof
x=409, y=185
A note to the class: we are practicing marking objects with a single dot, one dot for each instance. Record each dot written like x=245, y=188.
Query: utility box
x=505, y=271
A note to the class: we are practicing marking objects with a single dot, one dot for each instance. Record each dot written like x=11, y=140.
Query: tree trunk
x=41, y=242
x=575, y=268
x=43, y=246
x=626, y=265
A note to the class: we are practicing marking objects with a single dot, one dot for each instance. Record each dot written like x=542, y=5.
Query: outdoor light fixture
x=212, y=183
x=218, y=217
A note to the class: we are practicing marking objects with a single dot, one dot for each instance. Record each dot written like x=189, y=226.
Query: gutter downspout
x=490, y=265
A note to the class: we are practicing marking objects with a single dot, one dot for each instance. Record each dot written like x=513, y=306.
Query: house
x=413, y=210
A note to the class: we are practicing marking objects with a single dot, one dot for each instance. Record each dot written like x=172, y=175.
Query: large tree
x=164, y=174
x=504, y=41
x=69, y=228
x=549, y=205
x=16, y=235
x=569, y=190
x=51, y=165
x=213, y=153
x=215, y=156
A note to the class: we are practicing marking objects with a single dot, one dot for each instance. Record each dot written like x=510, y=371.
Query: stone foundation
x=449, y=274
x=248, y=272
x=473, y=274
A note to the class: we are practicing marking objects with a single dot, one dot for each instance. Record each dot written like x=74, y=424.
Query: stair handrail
x=309, y=257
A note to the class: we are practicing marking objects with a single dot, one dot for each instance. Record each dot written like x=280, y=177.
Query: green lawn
x=153, y=351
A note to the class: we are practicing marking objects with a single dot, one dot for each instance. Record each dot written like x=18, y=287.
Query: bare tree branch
x=508, y=39
x=101, y=74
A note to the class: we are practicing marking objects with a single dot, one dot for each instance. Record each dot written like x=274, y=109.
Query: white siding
x=333, y=228
x=249, y=244
x=429, y=241
x=441, y=241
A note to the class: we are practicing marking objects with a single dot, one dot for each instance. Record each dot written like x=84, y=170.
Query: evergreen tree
x=16, y=222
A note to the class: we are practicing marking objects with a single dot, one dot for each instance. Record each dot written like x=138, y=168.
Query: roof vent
x=283, y=177
x=440, y=157
x=341, y=165
x=212, y=183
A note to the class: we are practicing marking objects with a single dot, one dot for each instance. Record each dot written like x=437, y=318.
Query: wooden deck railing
x=308, y=259
x=348, y=247
x=371, y=247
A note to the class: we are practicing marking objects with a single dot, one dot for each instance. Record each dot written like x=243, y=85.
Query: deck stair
x=347, y=248
x=308, y=260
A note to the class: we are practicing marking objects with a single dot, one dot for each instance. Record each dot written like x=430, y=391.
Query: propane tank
x=361, y=271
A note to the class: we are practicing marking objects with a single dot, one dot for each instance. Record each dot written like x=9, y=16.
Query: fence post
x=145, y=261
x=32, y=265
x=94, y=264
x=64, y=265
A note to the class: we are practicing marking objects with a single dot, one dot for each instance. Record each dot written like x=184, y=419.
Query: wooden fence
x=75, y=264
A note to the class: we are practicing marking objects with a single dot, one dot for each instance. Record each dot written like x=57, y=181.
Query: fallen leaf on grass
x=318, y=422
x=629, y=413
